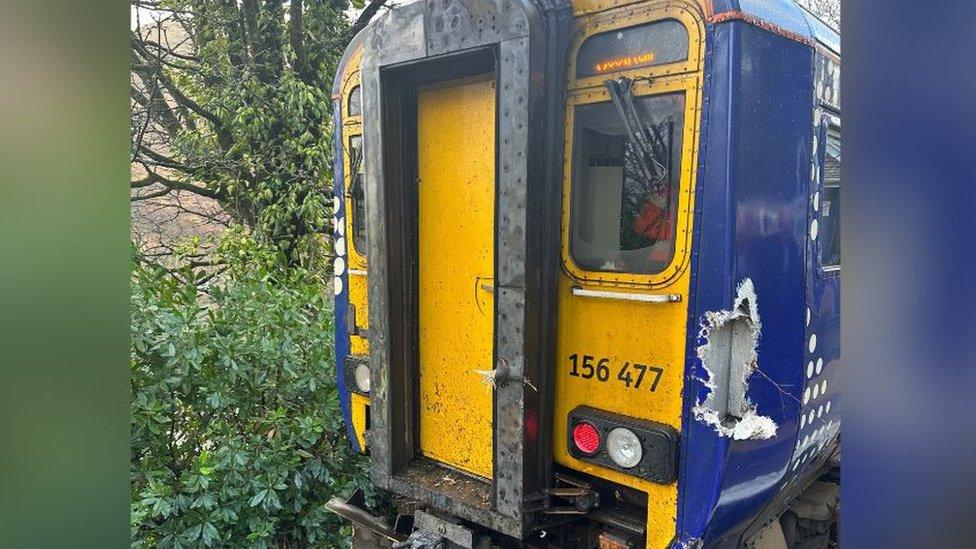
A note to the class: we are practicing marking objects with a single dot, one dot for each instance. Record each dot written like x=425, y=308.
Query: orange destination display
x=656, y=43
x=627, y=62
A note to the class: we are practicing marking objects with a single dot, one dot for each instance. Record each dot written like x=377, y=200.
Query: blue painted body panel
x=701, y=451
x=753, y=214
x=772, y=102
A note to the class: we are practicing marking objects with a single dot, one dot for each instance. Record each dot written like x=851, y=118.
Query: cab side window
x=357, y=194
x=355, y=105
x=830, y=203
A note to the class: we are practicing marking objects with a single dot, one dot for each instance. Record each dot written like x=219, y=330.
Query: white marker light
x=624, y=448
x=362, y=377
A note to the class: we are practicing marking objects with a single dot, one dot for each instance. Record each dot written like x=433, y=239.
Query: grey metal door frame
x=407, y=45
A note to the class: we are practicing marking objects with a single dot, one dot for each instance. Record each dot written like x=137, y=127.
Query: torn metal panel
x=729, y=355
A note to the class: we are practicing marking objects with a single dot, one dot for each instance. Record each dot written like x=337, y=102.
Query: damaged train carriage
x=588, y=271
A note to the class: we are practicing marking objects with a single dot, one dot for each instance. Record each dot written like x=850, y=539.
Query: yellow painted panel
x=359, y=344
x=456, y=202
x=359, y=412
x=582, y=7
x=626, y=332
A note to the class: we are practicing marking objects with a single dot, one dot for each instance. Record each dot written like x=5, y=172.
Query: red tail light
x=586, y=438
x=636, y=447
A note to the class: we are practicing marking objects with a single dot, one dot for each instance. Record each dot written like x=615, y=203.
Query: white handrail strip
x=626, y=296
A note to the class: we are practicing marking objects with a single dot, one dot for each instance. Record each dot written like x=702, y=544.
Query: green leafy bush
x=237, y=436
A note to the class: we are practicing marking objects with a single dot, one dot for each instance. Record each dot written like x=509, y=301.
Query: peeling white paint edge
x=752, y=425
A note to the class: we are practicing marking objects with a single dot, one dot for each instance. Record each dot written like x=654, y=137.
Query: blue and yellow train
x=587, y=272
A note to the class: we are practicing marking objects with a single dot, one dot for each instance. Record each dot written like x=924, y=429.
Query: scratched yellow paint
x=456, y=203
x=623, y=331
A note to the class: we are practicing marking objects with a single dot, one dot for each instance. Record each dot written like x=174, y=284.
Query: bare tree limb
x=157, y=104
x=172, y=89
x=142, y=131
x=163, y=161
x=170, y=51
x=364, y=18
x=149, y=196
x=154, y=177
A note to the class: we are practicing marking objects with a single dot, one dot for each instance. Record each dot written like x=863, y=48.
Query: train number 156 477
x=630, y=374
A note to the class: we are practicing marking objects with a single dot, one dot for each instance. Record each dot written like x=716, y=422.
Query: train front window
x=626, y=159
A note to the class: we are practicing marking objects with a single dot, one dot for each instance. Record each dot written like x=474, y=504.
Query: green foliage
x=273, y=170
x=237, y=436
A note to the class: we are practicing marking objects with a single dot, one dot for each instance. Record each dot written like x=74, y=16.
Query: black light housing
x=659, y=443
x=349, y=366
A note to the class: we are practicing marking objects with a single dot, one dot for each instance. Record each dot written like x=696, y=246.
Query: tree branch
x=169, y=51
x=149, y=108
x=364, y=18
x=156, y=104
x=153, y=177
x=165, y=161
x=171, y=88
x=149, y=196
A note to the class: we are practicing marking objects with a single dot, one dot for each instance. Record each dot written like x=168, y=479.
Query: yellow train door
x=456, y=226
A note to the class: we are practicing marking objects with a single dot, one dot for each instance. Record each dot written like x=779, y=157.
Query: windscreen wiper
x=653, y=150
